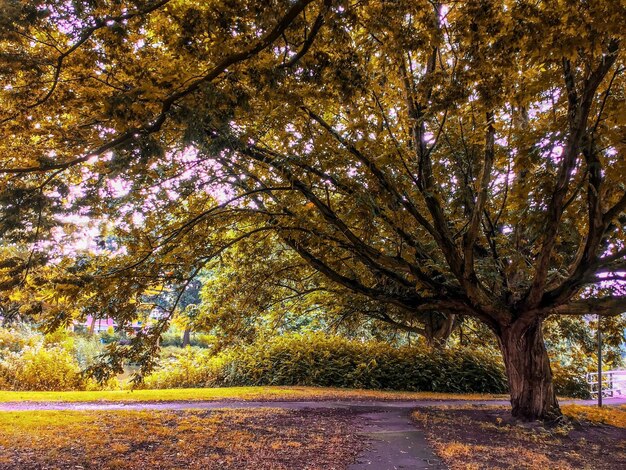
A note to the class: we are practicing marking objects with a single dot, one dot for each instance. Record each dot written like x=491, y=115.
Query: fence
x=613, y=383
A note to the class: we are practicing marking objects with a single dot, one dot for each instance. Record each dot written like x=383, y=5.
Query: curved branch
x=308, y=42
x=99, y=23
x=155, y=124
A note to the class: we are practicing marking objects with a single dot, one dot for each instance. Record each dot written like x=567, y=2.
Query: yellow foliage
x=40, y=368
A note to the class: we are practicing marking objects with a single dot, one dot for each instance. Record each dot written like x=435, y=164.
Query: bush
x=319, y=360
x=86, y=349
x=173, y=337
x=188, y=367
x=32, y=361
x=39, y=368
x=569, y=381
x=53, y=362
x=17, y=338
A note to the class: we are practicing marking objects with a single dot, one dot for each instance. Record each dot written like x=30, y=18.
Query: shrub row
x=319, y=360
x=40, y=368
x=32, y=361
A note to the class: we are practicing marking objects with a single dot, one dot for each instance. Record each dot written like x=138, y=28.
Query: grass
x=234, y=393
x=194, y=440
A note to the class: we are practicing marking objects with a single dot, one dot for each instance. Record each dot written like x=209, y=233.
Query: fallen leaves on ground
x=257, y=439
x=612, y=415
x=478, y=437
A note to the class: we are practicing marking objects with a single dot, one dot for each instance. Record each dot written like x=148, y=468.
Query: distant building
x=99, y=325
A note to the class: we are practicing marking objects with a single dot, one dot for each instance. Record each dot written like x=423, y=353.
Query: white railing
x=613, y=383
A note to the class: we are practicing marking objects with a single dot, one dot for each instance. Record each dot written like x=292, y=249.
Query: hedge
x=320, y=360
x=30, y=361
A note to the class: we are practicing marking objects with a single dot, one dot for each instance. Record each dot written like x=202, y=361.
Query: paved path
x=215, y=404
x=394, y=442
x=608, y=401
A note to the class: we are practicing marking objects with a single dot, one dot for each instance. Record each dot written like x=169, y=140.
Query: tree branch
x=601, y=306
x=578, y=112
x=157, y=122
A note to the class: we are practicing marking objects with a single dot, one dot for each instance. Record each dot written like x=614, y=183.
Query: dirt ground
x=487, y=437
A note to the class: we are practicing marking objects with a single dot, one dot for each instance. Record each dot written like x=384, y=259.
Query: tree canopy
x=428, y=159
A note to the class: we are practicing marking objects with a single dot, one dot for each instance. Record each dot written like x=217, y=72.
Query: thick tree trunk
x=528, y=372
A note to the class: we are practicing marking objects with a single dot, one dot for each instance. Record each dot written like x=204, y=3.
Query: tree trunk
x=186, y=337
x=92, y=326
x=528, y=372
x=438, y=328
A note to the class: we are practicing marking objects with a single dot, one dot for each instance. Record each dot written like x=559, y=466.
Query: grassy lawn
x=471, y=437
x=220, y=439
x=236, y=393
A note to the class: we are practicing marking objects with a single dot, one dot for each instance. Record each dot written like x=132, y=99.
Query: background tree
x=463, y=158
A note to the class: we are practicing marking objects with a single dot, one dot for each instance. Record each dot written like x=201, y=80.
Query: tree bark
x=186, y=337
x=528, y=372
x=92, y=326
x=438, y=328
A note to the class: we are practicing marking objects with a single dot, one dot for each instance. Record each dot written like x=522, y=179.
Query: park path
x=393, y=441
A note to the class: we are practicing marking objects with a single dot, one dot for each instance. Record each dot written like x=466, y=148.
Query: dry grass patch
x=611, y=415
x=481, y=437
x=222, y=439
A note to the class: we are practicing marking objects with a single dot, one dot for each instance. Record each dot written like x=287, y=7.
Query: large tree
x=449, y=158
